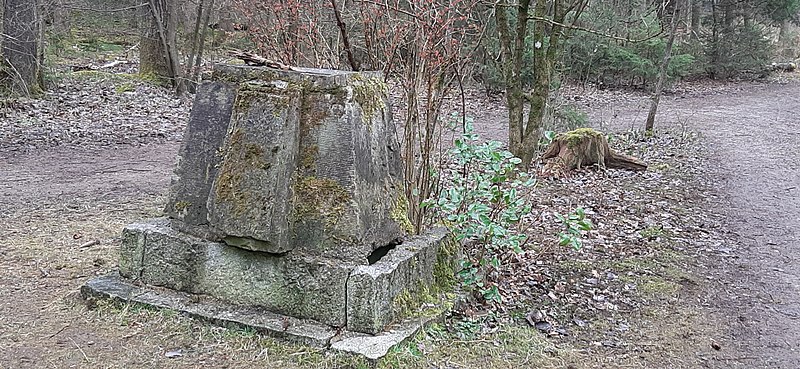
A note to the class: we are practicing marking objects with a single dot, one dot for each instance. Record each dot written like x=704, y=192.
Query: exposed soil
x=55, y=199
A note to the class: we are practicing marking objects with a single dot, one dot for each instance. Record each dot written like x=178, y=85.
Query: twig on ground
x=81, y=350
x=90, y=244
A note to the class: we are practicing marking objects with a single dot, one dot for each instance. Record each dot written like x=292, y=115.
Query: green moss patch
x=369, y=93
x=241, y=157
x=319, y=198
x=399, y=213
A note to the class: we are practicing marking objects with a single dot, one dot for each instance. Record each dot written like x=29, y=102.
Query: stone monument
x=287, y=214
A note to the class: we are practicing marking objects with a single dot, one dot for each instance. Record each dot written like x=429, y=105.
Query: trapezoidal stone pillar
x=287, y=183
x=309, y=162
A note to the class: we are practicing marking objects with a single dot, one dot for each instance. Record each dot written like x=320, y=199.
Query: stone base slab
x=303, y=331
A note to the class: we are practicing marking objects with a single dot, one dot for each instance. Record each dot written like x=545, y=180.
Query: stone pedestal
x=288, y=188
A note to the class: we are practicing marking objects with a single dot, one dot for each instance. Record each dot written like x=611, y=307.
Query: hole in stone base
x=380, y=252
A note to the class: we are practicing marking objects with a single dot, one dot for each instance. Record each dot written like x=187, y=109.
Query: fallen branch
x=253, y=59
x=79, y=68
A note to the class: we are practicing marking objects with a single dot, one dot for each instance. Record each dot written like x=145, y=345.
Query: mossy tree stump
x=585, y=147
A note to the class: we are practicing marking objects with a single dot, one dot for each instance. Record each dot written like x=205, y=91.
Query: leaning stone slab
x=198, y=159
x=410, y=268
x=288, y=328
x=304, y=286
x=250, y=201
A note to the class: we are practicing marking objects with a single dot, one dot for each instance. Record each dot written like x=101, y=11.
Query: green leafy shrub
x=609, y=62
x=483, y=201
x=738, y=51
x=575, y=224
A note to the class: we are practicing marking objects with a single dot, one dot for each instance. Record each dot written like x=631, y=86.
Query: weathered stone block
x=310, y=162
x=250, y=201
x=198, y=159
x=156, y=254
x=373, y=289
x=298, y=285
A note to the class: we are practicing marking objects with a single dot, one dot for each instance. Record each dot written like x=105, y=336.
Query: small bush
x=482, y=202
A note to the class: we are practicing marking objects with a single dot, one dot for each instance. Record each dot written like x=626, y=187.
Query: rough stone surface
x=374, y=347
x=280, y=326
x=303, y=286
x=372, y=289
x=310, y=162
x=251, y=196
x=198, y=159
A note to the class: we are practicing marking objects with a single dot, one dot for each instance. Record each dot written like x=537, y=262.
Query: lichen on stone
x=239, y=158
x=369, y=93
x=319, y=198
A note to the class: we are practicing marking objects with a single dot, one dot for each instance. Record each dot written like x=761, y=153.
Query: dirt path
x=70, y=175
x=754, y=140
x=752, y=135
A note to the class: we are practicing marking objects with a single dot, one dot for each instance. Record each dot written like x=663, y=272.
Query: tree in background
x=22, y=47
x=551, y=23
x=672, y=16
x=158, y=49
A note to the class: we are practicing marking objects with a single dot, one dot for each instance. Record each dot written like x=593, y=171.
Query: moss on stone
x=444, y=271
x=319, y=198
x=369, y=94
x=180, y=206
x=438, y=294
x=240, y=157
x=399, y=213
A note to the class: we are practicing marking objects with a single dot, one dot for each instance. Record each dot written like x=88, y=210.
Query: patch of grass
x=657, y=287
x=125, y=87
x=652, y=232
x=510, y=347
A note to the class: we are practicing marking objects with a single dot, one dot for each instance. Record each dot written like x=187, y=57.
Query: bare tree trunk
x=202, y=42
x=662, y=73
x=158, y=56
x=21, y=64
x=697, y=10
x=512, y=69
x=345, y=40
x=198, y=20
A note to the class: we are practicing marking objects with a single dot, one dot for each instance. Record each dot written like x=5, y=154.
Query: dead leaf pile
x=93, y=110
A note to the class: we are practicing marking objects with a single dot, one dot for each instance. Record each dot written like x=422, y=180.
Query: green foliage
x=568, y=117
x=737, y=51
x=482, y=204
x=779, y=10
x=576, y=225
x=598, y=59
x=489, y=70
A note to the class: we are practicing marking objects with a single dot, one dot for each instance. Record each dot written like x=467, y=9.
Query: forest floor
x=690, y=264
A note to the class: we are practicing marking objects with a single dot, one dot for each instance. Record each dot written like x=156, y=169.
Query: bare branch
x=592, y=31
